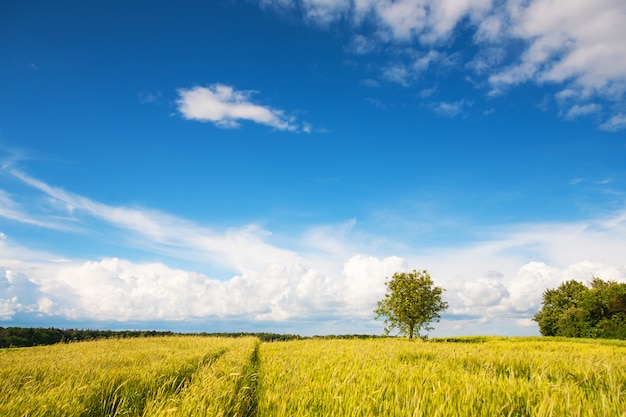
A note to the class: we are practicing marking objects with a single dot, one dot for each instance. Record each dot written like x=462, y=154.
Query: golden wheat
x=201, y=376
x=392, y=377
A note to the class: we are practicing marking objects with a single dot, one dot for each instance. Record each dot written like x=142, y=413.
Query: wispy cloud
x=428, y=92
x=226, y=107
x=615, y=123
x=11, y=210
x=368, y=82
x=149, y=97
x=411, y=64
x=579, y=110
x=398, y=73
x=450, y=109
x=239, y=248
x=361, y=45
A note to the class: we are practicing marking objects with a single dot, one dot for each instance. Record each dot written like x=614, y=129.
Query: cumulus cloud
x=364, y=280
x=17, y=293
x=115, y=289
x=487, y=291
x=329, y=273
x=226, y=107
x=120, y=290
x=526, y=290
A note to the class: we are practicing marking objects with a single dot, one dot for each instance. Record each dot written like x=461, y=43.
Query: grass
x=202, y=376
x=491, y=377
x=126, y=377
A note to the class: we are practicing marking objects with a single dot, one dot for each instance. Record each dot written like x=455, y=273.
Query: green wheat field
x=212, y=376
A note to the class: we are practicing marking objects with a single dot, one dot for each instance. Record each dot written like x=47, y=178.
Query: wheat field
x=211, y=376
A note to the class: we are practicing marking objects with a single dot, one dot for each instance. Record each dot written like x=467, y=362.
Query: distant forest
x=30, y=336
x=27, y=336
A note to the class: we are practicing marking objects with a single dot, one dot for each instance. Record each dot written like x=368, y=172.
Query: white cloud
x=615, y=123
x=242, y=248
x=324, y=12
x=424, y=60
x=583, y=110
x=226, y=107
x=486, y=291
x=17, y=292
x=404, y=19
x=364, y=280
x=577, y=44
x=429, y=21
x=278, y=4
x=591, y=34
x=526, y=290
x=120, y=290
x=450, y=109
x=427, y=92
x=525, y=323
x=344, y=286
x=398, y=73
x=328, y=273
x=361, y=45
x=9, y=209
x=487, y=59
x=408, y=69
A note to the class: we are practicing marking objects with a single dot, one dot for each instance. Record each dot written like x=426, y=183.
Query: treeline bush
x=28, y=336
x=576, y=310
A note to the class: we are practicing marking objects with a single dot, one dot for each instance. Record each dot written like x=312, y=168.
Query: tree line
x=30, y=336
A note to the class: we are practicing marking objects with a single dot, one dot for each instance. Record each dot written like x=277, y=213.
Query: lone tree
x=411, y=303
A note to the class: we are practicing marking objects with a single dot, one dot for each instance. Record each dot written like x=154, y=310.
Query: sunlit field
x=203, y=376
x=162, y=376
x=473, y=376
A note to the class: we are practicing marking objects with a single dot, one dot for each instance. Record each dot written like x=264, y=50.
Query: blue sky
x=265, y=165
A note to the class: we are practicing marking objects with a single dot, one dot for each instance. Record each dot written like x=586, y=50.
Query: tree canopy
x=576, y=310
x=411, y=304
